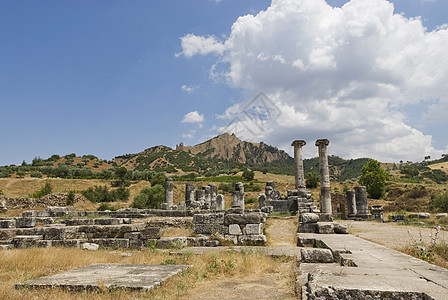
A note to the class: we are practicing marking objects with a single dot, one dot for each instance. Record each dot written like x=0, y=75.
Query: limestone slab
x=111, y=276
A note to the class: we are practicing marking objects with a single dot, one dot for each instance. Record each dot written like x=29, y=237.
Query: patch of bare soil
x=282, y=231
x=277, y=284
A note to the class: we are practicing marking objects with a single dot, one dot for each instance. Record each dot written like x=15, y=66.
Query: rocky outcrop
x=49, y=200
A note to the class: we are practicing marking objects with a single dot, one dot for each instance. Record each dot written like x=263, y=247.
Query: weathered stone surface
x=107, y=221
x=424, y=215
x=261, y=200
x=325, y=191
x=252, y=240
x=308, y=218
x=351, y=203
x=219, y=202
x=362, y=209
x=325, y=228
x=57, y=211
x=242, y=219
x=307, y=227
x=169, y=192
x=340, y=228
x=115, y=243
x=210, y=228
x=316, y=255
x=27, y=222
x=238, y=196
x=111, y=276
x=35, y=213
x=212, y=218
x=211, y=244
x=323, y=217
x=235, y=229
x=90, y=246
x=172, y=242
x=151, y=233
x=6, y=234
x=9, y=223
x=298, y=163
x=26, y=241
x=75, y=243
x=60, y=233
x=438, y=216
x=253, y=229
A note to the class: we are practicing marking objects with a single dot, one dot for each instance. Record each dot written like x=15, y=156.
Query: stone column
x=189, y=194
x=219, y=202
x=325, y=191
x=238, y=196
x=200, y=196
x=169, y=192
x=213, y=191
x=298, y=163
x=207, y=201
x=351, y=203
x=362, y=209
x=270, y=186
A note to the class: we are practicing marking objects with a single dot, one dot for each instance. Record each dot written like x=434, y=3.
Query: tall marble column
x=325, y=191
x=298, y=163
x=169, y=192
x=362, y=209
x=189, y=194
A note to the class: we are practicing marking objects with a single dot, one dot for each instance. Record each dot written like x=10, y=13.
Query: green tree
x=248, y=175
x=374, y=178
x=312, y=180
x=150, y=197
x=439, y=202
x=158, y=178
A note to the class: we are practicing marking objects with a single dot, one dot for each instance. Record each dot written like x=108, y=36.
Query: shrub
x=226, y=187
x=106, y=206
x=248, y=175
x=439, y=202
x=4, y=174
x=45, y=190
x=36, y=174
x=98, y=194
x=249, y=200
x=251, y=187
x=71, y=198
x=20, y=174
x=150, y=197
x=312, y=180
x=121, y=194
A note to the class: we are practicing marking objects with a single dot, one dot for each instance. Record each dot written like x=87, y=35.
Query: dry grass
x=22, y=264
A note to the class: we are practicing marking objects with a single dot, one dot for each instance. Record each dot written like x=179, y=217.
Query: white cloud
x=193, y=117
x=193, y=44
x=340, y=73
x=189, y=89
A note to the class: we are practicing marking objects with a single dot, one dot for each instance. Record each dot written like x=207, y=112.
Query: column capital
x=323, y=142
x=298, y=143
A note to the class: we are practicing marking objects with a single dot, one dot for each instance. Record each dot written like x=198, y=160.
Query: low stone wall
x=320, y=223
x=237, y=226
x=49, y=200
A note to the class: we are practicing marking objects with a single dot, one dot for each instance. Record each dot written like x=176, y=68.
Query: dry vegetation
x=207, y=270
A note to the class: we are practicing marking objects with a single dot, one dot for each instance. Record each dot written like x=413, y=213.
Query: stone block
x=151, y=233
x=267, y=209
x=107, y=221
x=308, y=218
x=316, y=255
x=324, y=217
x=132, y=235
x=115, y=243
x=136, y=244
x=235, y=229
x=210, y=229
x=67, y=243
x=214, y=218
x=231, y=238
x=27, y=222
x=172, y=243
x=78, y=222
x=253, y=229
x=26, y=241
x=90, y=246
x=211, y=244
x=10, y=223
x=340, y=228
x=242, y=219
x=56, y=211
x=325, y=228
x=438, y=216
x=252, y=240
x=305, y=242
x=424, y=215
x=308, y=227
x=6, y=234
x=35, y=213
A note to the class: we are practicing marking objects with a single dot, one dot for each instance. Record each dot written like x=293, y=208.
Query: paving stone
x=315, y=255
x=111, y=276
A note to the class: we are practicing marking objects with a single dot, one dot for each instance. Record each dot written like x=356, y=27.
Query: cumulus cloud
x=189, y=89
x=193, y=44
x=193, y=117
x=344, y=73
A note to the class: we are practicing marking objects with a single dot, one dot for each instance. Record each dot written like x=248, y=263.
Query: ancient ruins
x=332, y=263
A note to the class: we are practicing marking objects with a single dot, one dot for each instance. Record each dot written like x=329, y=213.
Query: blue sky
x=115, y=77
